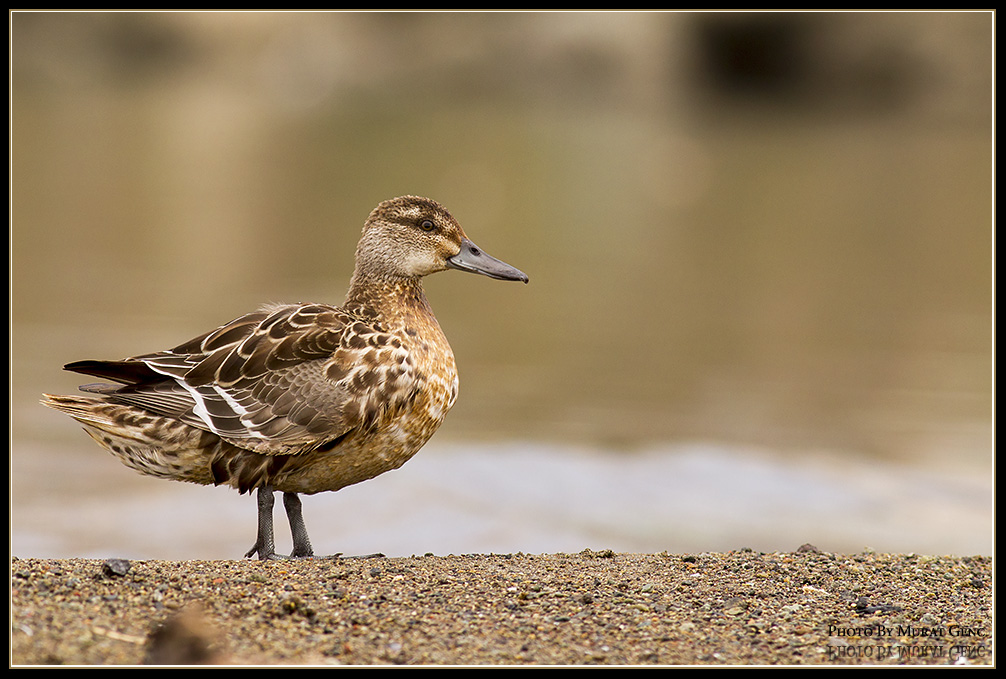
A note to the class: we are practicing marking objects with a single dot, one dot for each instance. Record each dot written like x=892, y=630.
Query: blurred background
x=761, y=251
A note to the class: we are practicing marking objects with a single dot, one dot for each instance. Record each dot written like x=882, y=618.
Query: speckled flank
x=299, y=398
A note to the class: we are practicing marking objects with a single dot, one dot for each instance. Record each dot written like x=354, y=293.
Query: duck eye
x=427, y=225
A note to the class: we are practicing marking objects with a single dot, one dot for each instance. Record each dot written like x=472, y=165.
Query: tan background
x=760, y=249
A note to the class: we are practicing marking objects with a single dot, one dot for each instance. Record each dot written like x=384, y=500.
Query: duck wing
x=279, y=381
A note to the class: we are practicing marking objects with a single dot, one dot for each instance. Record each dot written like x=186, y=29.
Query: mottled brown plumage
x=298, y=398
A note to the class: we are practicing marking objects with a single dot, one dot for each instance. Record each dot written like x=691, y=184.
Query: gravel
x=589, y=608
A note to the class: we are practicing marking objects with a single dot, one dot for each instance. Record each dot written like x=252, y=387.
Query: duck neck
x=387, y=298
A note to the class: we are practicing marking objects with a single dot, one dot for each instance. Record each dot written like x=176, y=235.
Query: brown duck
x=298, y=398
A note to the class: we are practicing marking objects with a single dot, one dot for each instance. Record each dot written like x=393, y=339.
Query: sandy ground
x=589, y=608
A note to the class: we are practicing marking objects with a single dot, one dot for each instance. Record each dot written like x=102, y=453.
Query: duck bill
x=472, y=259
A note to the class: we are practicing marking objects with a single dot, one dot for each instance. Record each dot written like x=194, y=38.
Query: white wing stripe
x=199, y=407
x=240, y=410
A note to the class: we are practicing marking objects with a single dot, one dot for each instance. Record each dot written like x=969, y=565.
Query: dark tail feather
x=124, y=372
x=99, y=388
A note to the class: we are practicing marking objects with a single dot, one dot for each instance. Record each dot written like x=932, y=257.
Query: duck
x=299, y=398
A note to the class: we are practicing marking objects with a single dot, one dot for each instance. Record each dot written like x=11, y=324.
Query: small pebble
x=115, y=567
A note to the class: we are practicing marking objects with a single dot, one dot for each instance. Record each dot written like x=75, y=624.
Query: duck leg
x=265, y=542
x=301, y=543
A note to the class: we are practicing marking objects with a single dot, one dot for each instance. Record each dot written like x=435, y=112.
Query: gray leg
x=265, y=542
x=301, y=543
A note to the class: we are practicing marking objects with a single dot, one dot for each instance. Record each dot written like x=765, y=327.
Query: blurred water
x=751, y=322
x=532, y=498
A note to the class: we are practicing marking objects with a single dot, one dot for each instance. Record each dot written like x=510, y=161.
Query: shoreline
x=588, y=608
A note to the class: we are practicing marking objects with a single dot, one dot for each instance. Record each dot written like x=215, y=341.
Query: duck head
x=411, y=237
